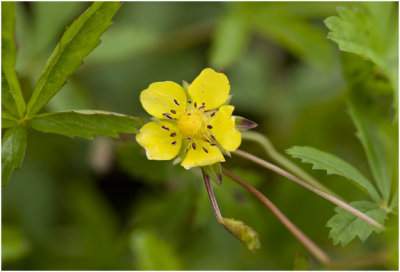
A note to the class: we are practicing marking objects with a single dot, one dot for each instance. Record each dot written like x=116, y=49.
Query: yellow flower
x=192, y=123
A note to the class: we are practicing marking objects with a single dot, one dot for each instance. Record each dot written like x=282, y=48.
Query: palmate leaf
x=13, y=147
x=333, y=165
x=11, y=94
x=370, y=31
x=345, y=226
x=80, y=38
x=85, y=123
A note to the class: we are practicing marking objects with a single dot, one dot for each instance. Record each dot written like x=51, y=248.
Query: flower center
x=190, y=124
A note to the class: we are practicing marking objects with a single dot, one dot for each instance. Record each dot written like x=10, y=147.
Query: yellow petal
x=162, y=140
x=223, y=128
x=211, y=88
x=162, y=98
x=201, y=154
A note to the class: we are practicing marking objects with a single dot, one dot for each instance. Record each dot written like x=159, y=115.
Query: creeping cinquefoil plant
x=193, y=124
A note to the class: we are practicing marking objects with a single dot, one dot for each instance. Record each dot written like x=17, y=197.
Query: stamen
x=173, y=111
x=205, y=149
x=212, y=114
x=188, y=114
x=173, y=143
x=195, y=105
x=213, y=144
x=166, y=115
x=188, y=139
x=173, y=134
x=207, y=140
x=176, y=102
x=213, y=137
x=164, y=127
x=194, y=146
x=202, y=107
x=190, y=101
x=209, y=126
x=203, y=103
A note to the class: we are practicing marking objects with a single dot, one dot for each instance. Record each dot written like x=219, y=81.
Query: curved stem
x=282, y=160
x=212, y=197
x=317, y=191
x=310, y=245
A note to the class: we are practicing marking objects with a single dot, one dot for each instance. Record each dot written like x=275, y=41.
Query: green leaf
x=213, y=172
x=378, y=136
x=13, y=147
x=230, y=40
x=241, y=231
x=85, y=123
x=7, y=120
x=11, y=94
x=370, y=31
x=345, y=226
x=333, y=165
x=80, y=38
x=367, y=31
x=153, y=253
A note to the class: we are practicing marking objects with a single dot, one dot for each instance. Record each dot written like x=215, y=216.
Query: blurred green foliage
x=78, y=204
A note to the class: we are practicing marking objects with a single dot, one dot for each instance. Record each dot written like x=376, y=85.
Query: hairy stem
x=310, y=245
x=282, y=160
x=317, y=191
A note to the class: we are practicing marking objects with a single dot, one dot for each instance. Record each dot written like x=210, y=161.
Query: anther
x=173, y=143
x=186, y=150
x=173, y=111
x=202, y=107
x=164, y=127
x=195, y=105
x=209, y=126
x=212, y=114
x=194, y=146
x=166, y=115
x=176, y=102
x=188, y=139
x=205, y=149
x=190, y=101
x=173, y=134
x=213, y=144
x=213, y=137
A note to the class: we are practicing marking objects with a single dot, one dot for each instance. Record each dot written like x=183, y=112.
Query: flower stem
x=282, y=160
x=212, y=197
x=310, y=245
x=317, y=191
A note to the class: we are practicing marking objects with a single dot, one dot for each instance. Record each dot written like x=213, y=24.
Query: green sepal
x=214, y=172
x=243, y=124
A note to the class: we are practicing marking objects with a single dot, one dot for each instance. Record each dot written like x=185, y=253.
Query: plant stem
x=317, y=191
x=282, y=160
x=310, y=245
x=212, y=196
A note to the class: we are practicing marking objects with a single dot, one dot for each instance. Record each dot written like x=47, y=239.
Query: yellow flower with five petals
x=194, y=124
